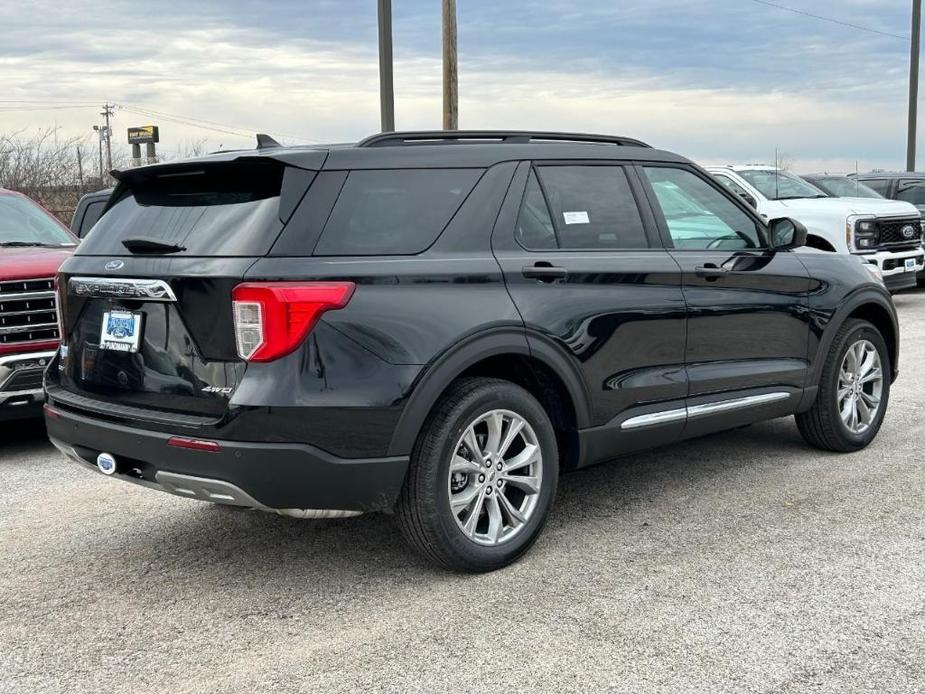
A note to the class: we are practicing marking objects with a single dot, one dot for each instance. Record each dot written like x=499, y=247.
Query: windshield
x=780, y=185
x=23, y=223
x=842, y=187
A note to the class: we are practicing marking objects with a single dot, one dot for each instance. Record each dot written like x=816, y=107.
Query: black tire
x=822, y=426
x=423, y=511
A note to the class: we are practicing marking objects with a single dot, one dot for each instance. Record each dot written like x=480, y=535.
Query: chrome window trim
x=121, y=288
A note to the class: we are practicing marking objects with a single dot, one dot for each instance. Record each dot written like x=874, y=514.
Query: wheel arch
x=536, y=365
x=873, y=307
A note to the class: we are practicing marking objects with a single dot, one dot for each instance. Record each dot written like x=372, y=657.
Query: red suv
x=32, y=246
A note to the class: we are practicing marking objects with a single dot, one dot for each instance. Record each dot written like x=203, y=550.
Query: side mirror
x=749, y=199
x=786, y=233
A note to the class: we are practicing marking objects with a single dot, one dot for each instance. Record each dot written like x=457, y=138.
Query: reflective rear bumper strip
x=681, y=413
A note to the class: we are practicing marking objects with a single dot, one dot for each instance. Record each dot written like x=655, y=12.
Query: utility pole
x=107, y=112
x=450, y=72
x=386, y=91
x=914, y=83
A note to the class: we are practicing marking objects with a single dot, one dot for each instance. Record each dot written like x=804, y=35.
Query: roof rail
x=444, y=137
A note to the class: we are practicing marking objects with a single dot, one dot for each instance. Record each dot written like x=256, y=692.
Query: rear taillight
x=272, y=318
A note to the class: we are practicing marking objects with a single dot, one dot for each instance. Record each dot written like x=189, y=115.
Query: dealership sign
x=146, y=134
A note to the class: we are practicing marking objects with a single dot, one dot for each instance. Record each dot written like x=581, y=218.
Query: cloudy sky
x=717, y=80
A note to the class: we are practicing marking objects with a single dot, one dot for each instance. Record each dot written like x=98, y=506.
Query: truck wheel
x=854, y=391
x=482, y=478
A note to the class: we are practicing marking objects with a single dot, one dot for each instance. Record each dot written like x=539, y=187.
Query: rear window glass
x=394, y=212
x=219, y=209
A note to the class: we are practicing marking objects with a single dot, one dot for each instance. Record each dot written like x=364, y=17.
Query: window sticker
x=576, y=217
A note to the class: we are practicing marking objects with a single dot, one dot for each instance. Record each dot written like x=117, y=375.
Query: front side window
x=844, y=187
x=881, y=185
x=593, y=207
x=911, y=190
x=698, y=215
x=780, y=185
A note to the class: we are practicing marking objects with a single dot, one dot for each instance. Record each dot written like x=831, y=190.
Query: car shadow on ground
x=228, y=545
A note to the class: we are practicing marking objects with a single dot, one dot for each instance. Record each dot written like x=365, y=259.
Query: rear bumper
x=21, y=392
x=293, y=479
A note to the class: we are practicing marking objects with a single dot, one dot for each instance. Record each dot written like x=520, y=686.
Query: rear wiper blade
x=143, y=245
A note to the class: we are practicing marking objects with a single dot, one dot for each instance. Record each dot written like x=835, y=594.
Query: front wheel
x=482, y=478
x=854, y=391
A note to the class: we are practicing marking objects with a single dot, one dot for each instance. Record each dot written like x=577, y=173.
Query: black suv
x=908, y=186
x=437, y=324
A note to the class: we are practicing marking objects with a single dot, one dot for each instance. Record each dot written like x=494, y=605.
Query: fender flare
x=437, y=376
x=858, y=298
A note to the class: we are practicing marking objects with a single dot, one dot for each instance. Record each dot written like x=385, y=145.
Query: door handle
x=544, y=272
x=710, y=272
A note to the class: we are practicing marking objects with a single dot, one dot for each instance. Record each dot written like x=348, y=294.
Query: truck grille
x=28, y=311
x=891, y=231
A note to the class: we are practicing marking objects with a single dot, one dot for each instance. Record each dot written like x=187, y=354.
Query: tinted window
x=394, y=212
x=844, y=187
x=698, y=215
x=881, y=185
x=593, y=207
x=220, y=209
x=534, y=224
x=91, y=216
x=911, y=190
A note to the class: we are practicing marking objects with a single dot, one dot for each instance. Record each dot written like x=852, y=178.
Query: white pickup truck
x=886, y=233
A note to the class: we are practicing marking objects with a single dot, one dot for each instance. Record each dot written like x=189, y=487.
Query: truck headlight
x=861, y=232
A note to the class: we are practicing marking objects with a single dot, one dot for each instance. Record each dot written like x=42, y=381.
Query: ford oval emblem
x=114, y=264
x=908, y=231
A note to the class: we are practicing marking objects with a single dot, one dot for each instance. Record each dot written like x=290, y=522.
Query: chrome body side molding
x=709, y=408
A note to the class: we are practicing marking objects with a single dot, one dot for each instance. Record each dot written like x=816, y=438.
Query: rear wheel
x=854, y=391
x=482, y=478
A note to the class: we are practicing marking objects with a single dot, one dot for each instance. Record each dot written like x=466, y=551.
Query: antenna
x=857, y=182
x=776, y=176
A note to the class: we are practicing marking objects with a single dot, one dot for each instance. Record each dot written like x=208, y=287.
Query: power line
x=830, y=19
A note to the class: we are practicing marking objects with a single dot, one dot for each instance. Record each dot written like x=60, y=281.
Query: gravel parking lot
x=742, y=562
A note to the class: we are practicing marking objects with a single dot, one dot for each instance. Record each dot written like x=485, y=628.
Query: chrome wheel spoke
x=531, y=485
x=512, y=431
x=873, y=375
x=495, y=422
x=495, y=521
x=472, y=520
x=871, y=400
x=528, y=456
x=461, y=464
x=461, y=501
x=472, y=443
x=515, y=517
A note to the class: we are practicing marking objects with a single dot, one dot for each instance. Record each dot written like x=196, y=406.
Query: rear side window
x=394, y=212
x=225, y=209
x=911, y=190
x=592, y=208
x=91, y=216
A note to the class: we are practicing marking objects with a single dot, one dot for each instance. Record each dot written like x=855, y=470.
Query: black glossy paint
x=623, y=333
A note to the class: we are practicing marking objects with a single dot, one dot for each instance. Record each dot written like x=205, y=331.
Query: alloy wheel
x=495, y=477
x=860, y=386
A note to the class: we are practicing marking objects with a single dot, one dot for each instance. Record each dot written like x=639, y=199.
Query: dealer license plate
x=121, y=331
